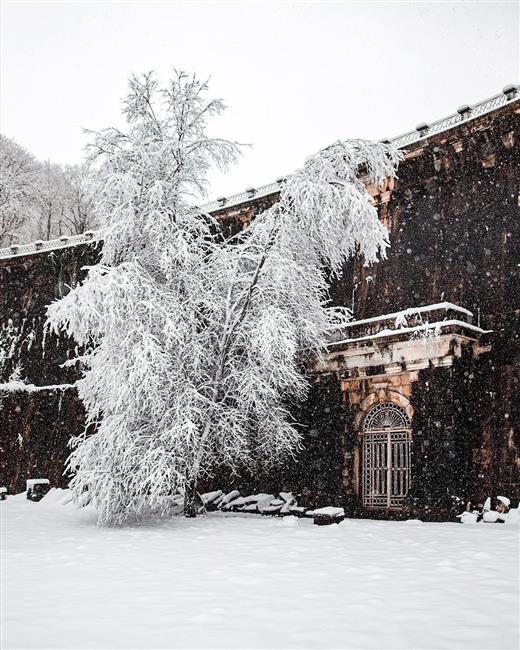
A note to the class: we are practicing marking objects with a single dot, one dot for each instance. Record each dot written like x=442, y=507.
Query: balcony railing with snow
x=39, y=246
x=415, y=321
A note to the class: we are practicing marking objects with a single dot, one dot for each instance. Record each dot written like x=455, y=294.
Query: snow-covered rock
x=287, y=507
x=328, y=515
x=210, y=498
x=251, y=507
x=470, y=517
x=234, y=494
x=263, y=504
x=243, y=501
x=271, y=509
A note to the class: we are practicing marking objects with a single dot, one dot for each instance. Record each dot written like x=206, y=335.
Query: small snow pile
x=513, y=516
x=469, y=518
x=57, y=496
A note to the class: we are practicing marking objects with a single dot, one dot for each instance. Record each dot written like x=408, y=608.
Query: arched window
x=386, y=416
x=386, y=456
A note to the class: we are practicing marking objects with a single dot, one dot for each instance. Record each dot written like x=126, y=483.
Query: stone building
x=417, y=400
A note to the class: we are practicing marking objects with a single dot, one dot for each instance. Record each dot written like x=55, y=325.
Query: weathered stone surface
x=454, y=221
x=35, y=427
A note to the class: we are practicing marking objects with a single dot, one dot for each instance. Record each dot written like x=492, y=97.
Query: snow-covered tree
x=51, y=191
x=18, y=177
x=42, y=200
x=143, y=312
x=79, y=215
x=275, y=315
x=194, y=345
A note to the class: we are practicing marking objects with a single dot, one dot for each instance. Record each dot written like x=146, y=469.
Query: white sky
x=295, y=75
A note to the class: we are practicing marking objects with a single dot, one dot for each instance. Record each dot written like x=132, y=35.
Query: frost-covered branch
x=19, y=386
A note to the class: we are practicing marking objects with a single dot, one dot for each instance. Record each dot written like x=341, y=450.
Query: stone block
x=328, y=515
x=37, y=488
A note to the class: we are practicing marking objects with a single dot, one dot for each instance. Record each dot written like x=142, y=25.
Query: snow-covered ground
x=246, y=581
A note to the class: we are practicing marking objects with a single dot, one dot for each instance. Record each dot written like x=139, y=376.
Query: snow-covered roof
x=421, y=133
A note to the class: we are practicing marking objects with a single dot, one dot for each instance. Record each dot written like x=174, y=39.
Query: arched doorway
x=386, y=456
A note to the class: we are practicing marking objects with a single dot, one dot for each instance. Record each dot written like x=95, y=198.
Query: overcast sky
x=295, y=75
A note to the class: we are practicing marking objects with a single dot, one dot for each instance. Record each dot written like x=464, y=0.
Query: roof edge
x=509, y=95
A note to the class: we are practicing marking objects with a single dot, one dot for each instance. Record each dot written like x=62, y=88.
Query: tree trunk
x=191, y=499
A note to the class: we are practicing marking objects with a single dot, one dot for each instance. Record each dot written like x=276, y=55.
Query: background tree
x=18, y=177
x=42, y=200
x=194, y=344
x=51, y=201
x=79, y=215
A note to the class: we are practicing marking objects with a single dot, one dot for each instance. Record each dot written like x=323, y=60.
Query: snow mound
x=57, y=496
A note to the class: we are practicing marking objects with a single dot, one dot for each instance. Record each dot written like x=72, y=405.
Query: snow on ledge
x=16, y=250
x=31, y=482
x=411, y=311
x=20, y=386
x=438, y=326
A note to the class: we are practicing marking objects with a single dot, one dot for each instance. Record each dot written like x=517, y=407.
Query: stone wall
x=35, y=427
x=454, y=221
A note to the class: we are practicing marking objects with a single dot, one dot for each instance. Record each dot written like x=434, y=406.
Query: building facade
x=416, y=402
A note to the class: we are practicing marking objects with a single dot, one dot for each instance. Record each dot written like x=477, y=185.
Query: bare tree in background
x=79, y=215
x=41, y=200
x=18, y=178
x=51, y=202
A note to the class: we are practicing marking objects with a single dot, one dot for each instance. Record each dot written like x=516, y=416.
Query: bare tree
x=51, y=201
x=18, y=177
x=79, y=215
